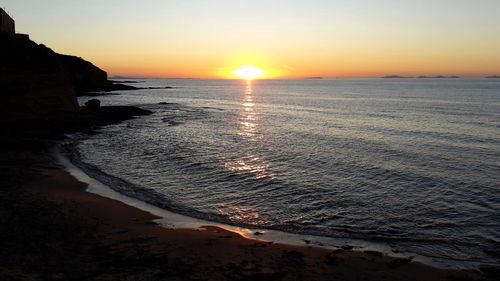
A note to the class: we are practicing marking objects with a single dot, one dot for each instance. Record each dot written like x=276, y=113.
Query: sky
x=287, y=39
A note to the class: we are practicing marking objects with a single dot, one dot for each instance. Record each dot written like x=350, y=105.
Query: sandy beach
x=52, y=229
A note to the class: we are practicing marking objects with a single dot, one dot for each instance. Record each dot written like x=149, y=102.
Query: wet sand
x=52, y=229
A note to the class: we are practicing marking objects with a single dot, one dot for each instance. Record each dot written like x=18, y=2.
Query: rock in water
x=93, y=104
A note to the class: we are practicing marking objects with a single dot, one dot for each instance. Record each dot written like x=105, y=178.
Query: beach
x=237, y=171
x=54, y=230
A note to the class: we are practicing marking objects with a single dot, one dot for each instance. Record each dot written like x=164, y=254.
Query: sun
x=248, y=72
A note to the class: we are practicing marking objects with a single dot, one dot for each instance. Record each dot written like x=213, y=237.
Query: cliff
x=36, y=81
x=84, y=76
x=33, y=80
x=39, y=87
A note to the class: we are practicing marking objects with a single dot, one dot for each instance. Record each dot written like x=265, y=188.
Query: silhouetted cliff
x=84, y=75
x=33, y=80
x=38, y=89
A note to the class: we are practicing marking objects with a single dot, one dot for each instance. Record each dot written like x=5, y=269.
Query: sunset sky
x=288, y=39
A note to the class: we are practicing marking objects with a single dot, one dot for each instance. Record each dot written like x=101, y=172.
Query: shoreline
x=58, y=231
x=53, y=229
x=172, y=220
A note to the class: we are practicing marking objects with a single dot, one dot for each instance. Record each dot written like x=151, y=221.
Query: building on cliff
x=7, y=24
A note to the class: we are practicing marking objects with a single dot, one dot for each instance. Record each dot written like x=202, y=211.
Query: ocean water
x=413, y=163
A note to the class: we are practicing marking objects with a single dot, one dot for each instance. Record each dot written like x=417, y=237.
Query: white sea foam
x=172, y=220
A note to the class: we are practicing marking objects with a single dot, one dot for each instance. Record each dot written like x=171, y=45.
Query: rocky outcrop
x=84, y=76
x=33, y=80
x=38, y=90
x=93, y=104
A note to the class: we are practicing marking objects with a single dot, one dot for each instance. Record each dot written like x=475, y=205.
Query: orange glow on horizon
x=330, y=39
x=343, y=63
x=335, y=65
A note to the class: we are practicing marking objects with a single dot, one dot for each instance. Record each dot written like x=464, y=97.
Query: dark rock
x=97, y=94
x=156, y=88
x=93, y=104
x=111, y=114
x=124, y=81
x=111, y=86
x=258, y=233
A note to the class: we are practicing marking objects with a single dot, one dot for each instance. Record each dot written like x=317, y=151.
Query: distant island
x=314, y=77
x=421, y=76
x=492, y=76
x=438, y=76
x=394, y=76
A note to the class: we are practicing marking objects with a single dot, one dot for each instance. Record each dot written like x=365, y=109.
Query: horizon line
x=313, y=78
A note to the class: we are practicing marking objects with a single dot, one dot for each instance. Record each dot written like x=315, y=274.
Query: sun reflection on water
x=248, y=124
x=242, y=215
x=248, y=117
x=242, y=167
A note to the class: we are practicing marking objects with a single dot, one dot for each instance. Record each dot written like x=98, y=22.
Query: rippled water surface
x=414, y=163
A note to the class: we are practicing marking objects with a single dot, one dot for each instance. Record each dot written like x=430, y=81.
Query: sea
x=411, y=163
